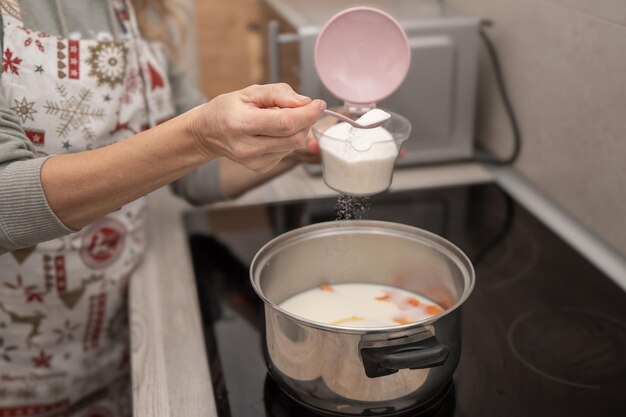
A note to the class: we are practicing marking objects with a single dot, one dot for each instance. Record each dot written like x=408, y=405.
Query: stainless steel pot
x=351, y=370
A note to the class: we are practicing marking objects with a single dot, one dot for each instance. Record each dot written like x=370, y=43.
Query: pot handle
x=381, y=361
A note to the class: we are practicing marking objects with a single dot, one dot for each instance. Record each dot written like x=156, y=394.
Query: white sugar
x=358, y=161
x=373, y=116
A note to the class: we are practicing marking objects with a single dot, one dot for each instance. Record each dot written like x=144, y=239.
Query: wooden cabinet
x=229, y=45
x=232, y=43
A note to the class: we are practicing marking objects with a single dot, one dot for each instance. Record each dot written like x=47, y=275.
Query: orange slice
x=413, y=301
x=403, y=320
x=327, y=288
x=347, y=319
x=433, y=310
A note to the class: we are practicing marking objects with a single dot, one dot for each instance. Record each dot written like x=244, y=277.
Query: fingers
x=274, y=95
x=310, y=154
x=264, y=163
x=313, y=146
x=246, y=150
x=286, y=121
x=306, y=157
x=270, y=144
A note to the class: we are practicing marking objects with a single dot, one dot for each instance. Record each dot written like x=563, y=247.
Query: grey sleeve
x=186, y=95
x=201, y=186
x=25, y=216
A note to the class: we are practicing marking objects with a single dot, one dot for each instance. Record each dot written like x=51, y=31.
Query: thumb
x=275, y=95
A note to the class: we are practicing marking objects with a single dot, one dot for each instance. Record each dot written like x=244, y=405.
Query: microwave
x=438, y=95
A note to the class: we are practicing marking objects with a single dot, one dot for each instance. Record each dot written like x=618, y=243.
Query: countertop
x=170, y=373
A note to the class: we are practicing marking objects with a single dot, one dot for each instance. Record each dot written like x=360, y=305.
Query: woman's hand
x=310, y=154
x=255, y=127
x=236, y=179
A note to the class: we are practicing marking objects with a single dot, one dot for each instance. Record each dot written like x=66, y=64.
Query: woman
x=80, y=82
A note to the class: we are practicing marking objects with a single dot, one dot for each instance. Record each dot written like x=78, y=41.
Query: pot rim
x=442, y=245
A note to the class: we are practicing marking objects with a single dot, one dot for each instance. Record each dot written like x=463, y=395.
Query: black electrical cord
x=504, y=95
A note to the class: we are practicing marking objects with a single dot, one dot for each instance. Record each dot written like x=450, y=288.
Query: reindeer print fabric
x=63, y=303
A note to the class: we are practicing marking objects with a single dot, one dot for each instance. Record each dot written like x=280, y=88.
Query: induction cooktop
x=544, y=332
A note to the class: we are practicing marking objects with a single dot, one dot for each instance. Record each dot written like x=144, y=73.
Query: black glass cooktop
x=544, y=332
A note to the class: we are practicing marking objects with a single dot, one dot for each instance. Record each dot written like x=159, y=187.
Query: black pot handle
x=416, y=358
x=381, y=361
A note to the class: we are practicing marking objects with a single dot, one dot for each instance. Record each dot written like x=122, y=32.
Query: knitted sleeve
x=25, y=216
x=201, y=186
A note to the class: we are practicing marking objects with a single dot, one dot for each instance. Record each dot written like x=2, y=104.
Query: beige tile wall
x=565, y=64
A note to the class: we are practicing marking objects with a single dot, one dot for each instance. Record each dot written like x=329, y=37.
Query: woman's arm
x=255, y=127
x=84, y=186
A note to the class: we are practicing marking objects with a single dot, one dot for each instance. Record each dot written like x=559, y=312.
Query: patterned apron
x=63, y=303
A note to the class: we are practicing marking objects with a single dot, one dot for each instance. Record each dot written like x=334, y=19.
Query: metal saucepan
x=352, y=370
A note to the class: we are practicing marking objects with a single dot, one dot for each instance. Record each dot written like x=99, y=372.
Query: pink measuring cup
x=362, y=55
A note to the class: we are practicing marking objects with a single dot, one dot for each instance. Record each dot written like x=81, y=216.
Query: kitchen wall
x=565, y=65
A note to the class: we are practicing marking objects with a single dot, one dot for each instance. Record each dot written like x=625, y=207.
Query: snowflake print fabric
x=10, y=62
x=24, y=109
x=74, y=112
x=34, y=38
x=63, y=308
x=107, y=63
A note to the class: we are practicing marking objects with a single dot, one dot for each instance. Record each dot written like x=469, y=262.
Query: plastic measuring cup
x=362, y=56
x=353, y=168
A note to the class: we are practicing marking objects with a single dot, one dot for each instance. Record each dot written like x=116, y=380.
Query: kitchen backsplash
x=565, y=67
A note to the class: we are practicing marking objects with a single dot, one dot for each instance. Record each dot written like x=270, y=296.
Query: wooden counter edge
x=170, y=374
